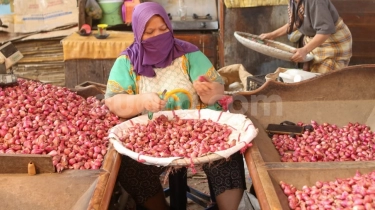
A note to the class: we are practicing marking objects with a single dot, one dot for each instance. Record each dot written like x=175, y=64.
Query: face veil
x=157, y=51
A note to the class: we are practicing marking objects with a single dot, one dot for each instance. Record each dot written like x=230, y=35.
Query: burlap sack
x=234, y=73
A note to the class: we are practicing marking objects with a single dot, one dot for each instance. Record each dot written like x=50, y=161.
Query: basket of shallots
x=183, y=137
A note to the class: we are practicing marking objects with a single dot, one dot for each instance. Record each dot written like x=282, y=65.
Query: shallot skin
x=38, y=118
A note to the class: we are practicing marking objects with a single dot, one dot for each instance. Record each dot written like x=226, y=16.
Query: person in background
x=154, y=62
x=325, y=34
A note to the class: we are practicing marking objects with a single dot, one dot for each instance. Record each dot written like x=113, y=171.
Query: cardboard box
x=8, y=20
x=22, y=7
x=44, y=15
x=44, y=22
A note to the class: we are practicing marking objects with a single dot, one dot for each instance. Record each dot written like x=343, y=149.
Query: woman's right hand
x=152, y=102
x=269, y=35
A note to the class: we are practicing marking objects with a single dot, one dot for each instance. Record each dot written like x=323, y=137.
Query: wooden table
x=87, y=58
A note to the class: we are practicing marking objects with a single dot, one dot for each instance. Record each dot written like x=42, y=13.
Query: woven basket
x=243, y=131
x=268, y=47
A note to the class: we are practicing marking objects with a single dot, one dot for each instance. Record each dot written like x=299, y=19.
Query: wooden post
x=221, y=16
x=82, y=17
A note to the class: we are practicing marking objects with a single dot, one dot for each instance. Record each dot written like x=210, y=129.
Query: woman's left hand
x=299, y=55
x=203, y=86
x=208, y=91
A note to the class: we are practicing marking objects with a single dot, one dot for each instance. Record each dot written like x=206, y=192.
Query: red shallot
x=356, y=192
x=37, y=118
x=327, y=142
x=188, y=138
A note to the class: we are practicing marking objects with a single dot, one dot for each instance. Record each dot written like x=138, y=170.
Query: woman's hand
x=276, y=33
x=152, y=102
x=267, y=36
x=203, y=86
x=208, y=91
x=299, y=55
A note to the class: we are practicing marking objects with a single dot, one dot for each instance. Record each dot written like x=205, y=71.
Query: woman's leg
x=227, y=180
x=229, y=199
x=142, y=182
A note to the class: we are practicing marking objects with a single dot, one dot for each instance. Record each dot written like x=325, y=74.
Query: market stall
x=87, y=58
x=338, y=98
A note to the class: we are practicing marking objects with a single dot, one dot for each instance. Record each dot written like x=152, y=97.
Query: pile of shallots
x=328, y=142
x=37, y=118
x=188, y=138
x=357, y=192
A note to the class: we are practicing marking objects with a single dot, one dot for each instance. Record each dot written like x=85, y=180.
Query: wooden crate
x=78, y=71
x=304, y=175
x=338, y=97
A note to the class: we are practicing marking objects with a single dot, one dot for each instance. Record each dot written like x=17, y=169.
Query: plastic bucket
x=111, y=12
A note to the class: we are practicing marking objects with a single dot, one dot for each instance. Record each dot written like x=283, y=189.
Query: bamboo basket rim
x=244, y=126
x=268, y=47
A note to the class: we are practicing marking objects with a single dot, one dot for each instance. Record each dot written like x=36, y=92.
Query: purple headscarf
x=158, y=51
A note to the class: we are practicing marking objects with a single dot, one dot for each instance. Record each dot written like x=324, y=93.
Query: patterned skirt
x=143, y=181
x=335, y=52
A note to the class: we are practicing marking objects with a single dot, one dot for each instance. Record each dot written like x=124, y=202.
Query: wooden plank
x=358, y=18
x=12, y=163
x=363, y=52
x=81, y=13
x=364, y=48
x=362, y=33
x=107, y=66
x=320, y=165
x=255, y=177
x=90, y=70
x=357, y=6
x=98, y=194
x=47, y=58
x=78, y=71
x=68, y=190
x=221, y=33
x=358, y=59
x=207, y=43
x=71, y=77
x=112, y=165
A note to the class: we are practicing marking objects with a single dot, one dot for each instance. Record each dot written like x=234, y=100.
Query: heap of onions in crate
x=37, y=118
x=357, y=192
x=328, y=142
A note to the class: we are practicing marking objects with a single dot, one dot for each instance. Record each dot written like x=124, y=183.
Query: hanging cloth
x=296, y=11
x=127, y=10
